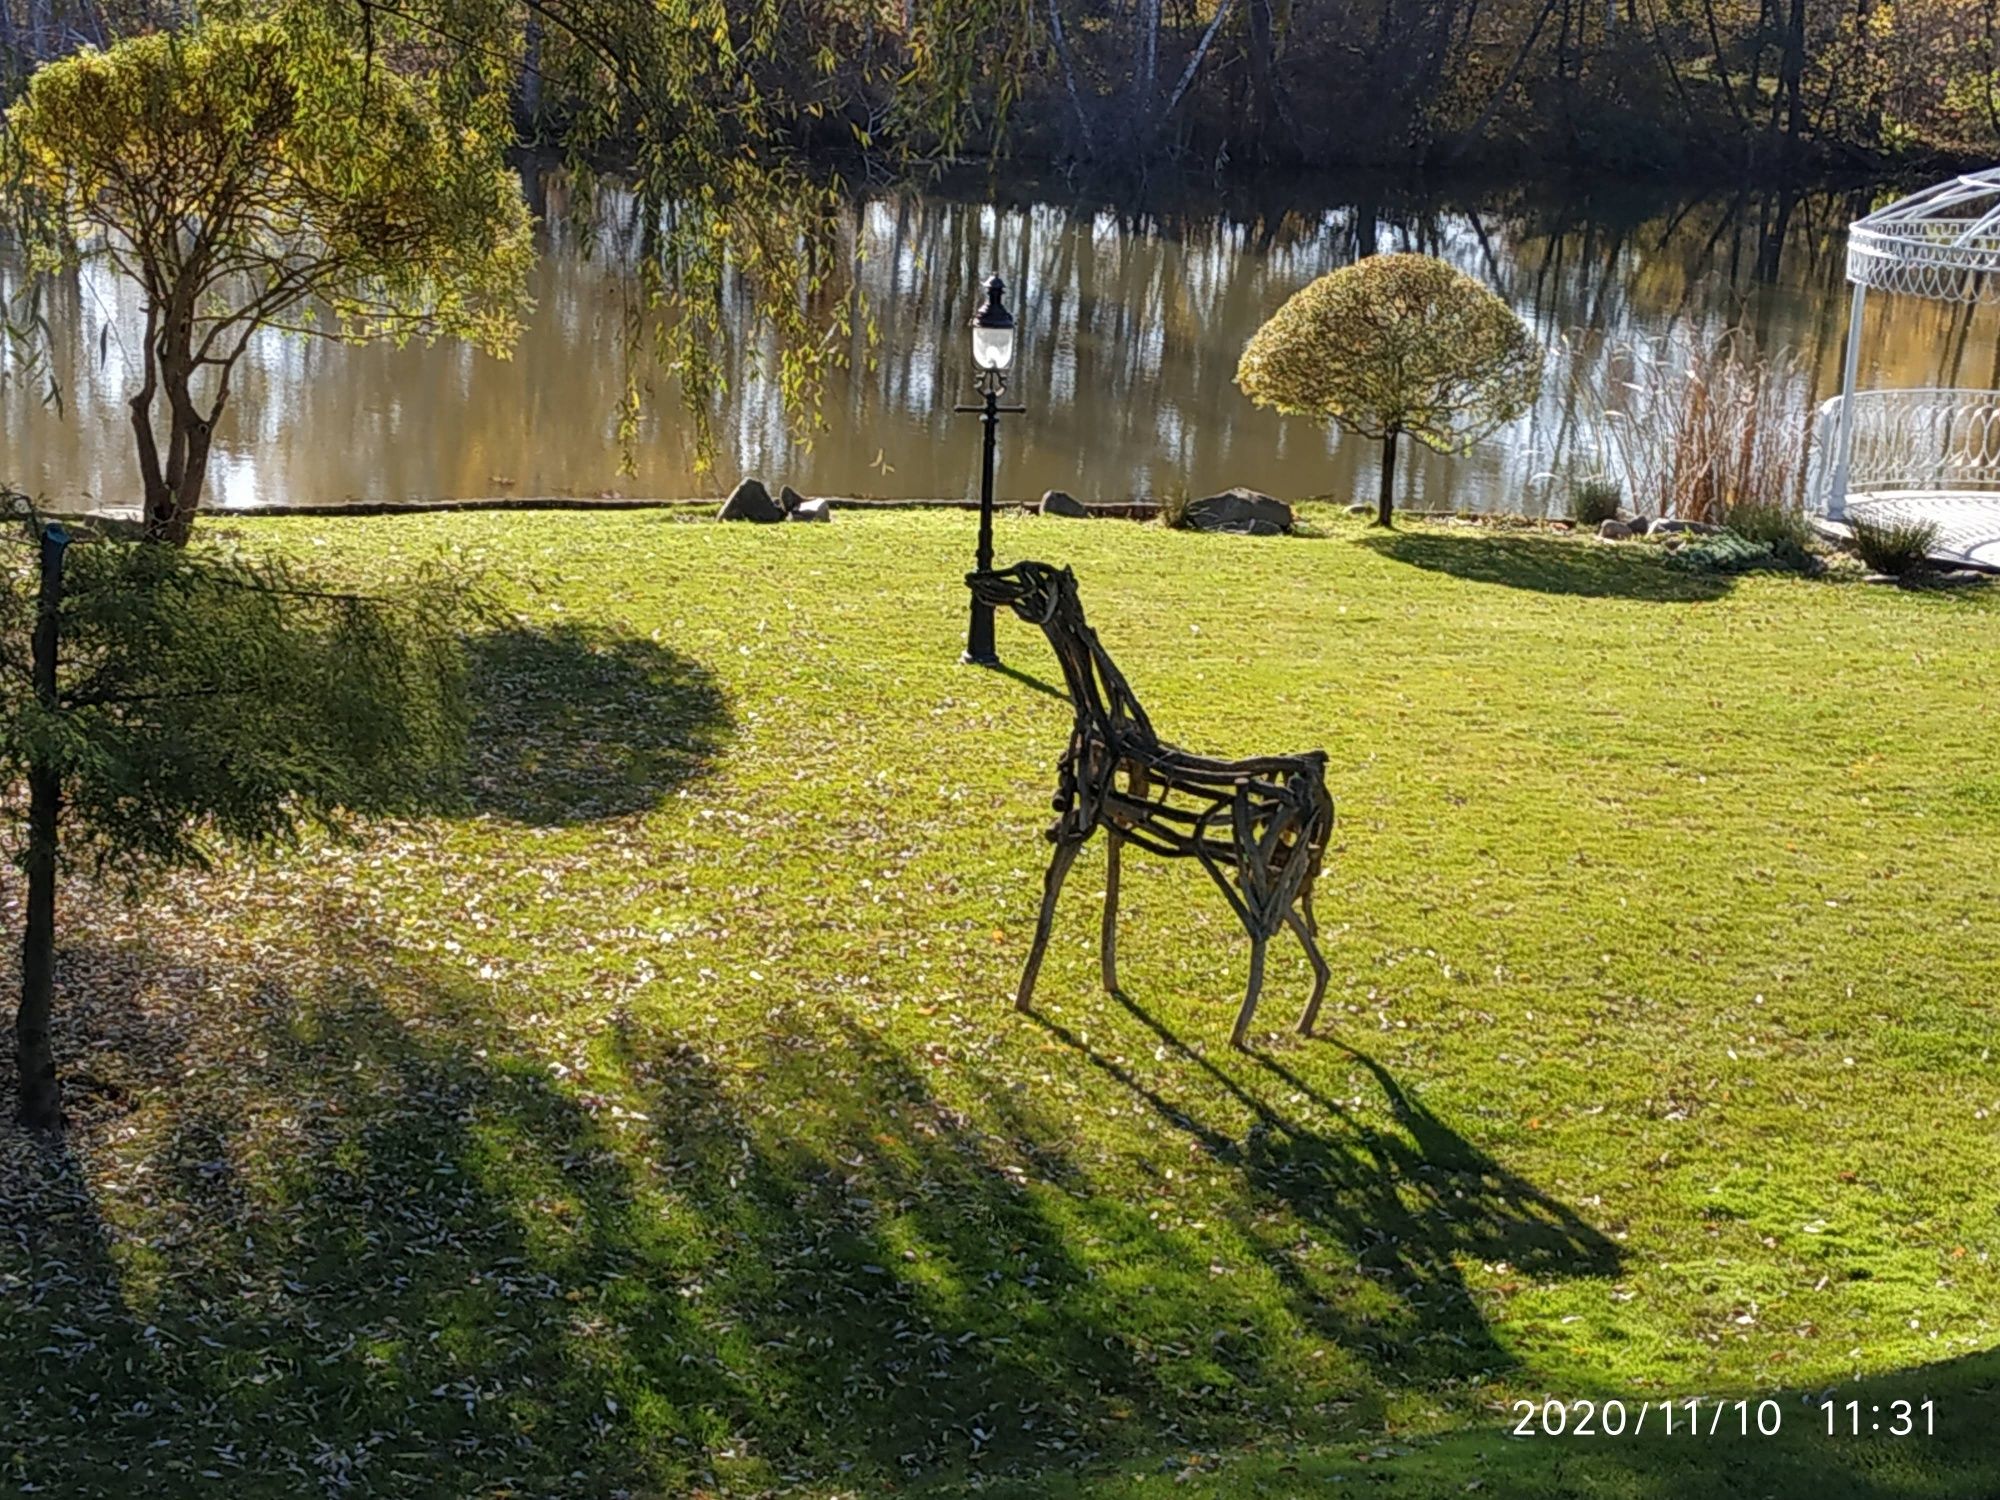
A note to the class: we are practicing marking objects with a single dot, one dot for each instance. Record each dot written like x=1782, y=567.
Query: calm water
x=1131, y=327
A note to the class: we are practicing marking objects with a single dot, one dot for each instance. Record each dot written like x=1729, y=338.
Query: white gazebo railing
x=1939, y=443
x=1925, y=454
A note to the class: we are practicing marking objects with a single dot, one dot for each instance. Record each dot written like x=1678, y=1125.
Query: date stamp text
x=1703, y=1416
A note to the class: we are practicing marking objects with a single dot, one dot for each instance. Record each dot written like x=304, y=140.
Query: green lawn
x=658, y=1125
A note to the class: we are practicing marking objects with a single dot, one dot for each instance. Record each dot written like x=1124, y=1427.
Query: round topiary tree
x=1396, y=344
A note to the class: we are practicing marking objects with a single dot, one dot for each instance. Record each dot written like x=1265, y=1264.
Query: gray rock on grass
x=1242, y=512
x=750, y=501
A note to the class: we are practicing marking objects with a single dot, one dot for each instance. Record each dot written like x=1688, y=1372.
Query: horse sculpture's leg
x=1257, y=942
x=1303, y=926
x=1110, y=947
x=1052, y=884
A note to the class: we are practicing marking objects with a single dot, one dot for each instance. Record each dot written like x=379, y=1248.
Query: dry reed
x=1696, y=428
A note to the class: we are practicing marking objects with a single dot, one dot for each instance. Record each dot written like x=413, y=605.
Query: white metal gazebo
x=1930, y=454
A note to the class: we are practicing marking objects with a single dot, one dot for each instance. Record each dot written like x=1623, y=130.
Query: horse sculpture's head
x=1031, y=589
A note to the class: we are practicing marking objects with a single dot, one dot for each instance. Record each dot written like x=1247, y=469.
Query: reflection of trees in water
x=1133, y=316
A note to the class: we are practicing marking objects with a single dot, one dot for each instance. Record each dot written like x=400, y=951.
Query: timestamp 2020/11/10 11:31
x=1698, y=1416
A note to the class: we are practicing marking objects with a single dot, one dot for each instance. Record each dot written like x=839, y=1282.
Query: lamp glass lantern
x=993, y=331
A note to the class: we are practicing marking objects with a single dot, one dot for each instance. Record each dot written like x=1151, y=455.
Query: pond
x=1131, y=324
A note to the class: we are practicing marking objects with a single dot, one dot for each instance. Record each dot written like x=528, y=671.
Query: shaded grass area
x=575, y=724
x=1550, y=564
x=656, y=1124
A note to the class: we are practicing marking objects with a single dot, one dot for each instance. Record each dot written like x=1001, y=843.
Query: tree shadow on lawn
x=384, y=1249
x=360, y=1235
x=574, y=725
x=1408, y=1206
x=1546, y=565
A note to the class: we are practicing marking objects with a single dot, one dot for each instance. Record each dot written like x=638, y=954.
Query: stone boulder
x=1061, y=503
x=1241, y=512
x=811, y=510
x=750, y=501
x=1615, y=531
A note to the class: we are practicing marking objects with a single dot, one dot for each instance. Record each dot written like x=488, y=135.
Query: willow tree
x=725, y=120
x=712, y=112
x=1396, y=344
x=246, y=178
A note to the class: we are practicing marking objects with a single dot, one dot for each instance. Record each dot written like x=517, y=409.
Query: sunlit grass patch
x=659, y=1116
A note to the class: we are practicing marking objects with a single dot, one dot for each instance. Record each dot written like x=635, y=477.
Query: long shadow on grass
x=1547, y=565
x=363, y=1237
x=1407, y=1205
x=575, y=725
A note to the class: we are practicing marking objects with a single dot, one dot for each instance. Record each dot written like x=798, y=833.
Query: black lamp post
x=992, y=353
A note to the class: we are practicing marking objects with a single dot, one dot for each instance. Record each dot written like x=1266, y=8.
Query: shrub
x=1769, y=524
x=1595, y=501
x=1900, y=548
x=1727, y=552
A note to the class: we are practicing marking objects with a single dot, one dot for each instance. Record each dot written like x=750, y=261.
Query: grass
x=656, y=1124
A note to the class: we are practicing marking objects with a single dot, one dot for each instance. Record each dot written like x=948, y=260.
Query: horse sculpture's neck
x=1098, y=691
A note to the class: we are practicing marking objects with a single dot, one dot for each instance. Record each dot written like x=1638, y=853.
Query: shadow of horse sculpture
x=1409, y=1204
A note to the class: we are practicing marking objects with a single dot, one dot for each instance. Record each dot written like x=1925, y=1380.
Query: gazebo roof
x=1942, y=243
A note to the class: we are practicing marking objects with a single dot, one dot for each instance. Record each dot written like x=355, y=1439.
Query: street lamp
x=992, y=354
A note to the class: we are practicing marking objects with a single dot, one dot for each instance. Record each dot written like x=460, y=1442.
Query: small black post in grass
x=41, y=1094
x=992, y=353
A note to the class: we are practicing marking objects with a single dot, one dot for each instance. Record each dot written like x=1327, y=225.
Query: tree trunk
x=1146, y=76
x=1385, y=504
x=1069, y=77
x=528, y=101
x=41, y=32
x=171, y=506
x=1263, y=109
x=40, y=1105
x=174, y=489
x=1791, y=77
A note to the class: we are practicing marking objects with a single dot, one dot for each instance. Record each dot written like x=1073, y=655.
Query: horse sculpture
x=1265, y=820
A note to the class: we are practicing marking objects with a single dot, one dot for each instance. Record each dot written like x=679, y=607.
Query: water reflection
x=1131, y=324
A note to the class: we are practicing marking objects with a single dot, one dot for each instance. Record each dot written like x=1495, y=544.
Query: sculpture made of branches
x=1259, y=827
